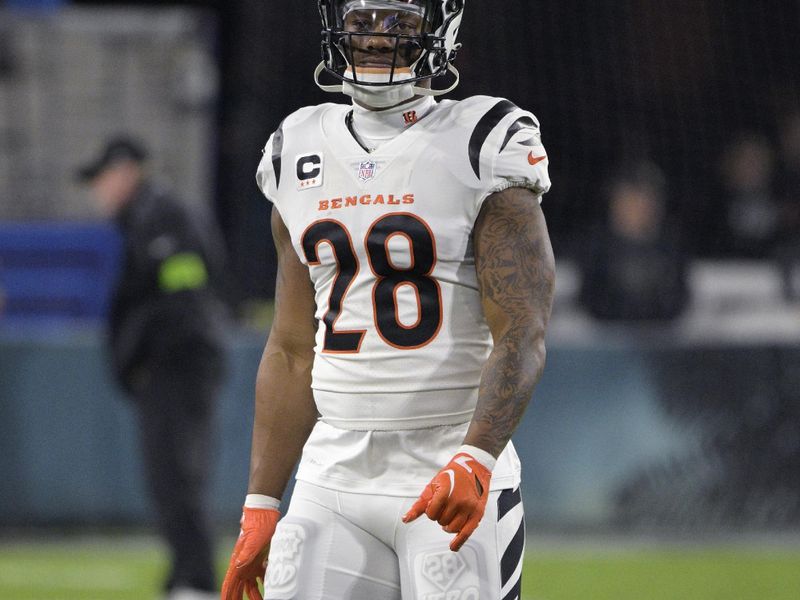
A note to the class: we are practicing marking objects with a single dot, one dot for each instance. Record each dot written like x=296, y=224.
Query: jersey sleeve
x=520, y=159
x=504, y=147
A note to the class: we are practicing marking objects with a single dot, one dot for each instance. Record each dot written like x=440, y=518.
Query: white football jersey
x=387, y=239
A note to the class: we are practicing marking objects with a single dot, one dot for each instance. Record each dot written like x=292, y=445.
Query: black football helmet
x=389, y=42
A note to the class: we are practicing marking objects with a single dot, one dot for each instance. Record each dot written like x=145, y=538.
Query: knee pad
x=444, y=575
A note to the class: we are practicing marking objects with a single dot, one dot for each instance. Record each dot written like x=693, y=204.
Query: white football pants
x=336, y=545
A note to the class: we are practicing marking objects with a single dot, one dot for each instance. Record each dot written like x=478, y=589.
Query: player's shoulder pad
x=291, y=128
x=486, y=116
x=273, y=151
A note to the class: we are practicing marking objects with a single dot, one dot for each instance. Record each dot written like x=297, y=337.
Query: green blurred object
x=182, y=271
x=131, y=569
x=257, y=315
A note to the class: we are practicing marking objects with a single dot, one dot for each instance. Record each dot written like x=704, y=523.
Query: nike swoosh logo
x=535, y=159
x=452, y=477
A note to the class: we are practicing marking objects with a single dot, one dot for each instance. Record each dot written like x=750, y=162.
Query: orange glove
x=456, y=496
x=249, y=558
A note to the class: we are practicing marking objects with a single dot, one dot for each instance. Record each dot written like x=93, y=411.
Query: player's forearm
x=516, y=272
x=507, y=384
x=285, y=414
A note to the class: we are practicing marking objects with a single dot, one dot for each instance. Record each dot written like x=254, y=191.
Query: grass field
x=124, y=569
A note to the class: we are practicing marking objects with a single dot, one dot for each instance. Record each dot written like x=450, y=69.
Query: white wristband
x=261, y=501
x=482, y=456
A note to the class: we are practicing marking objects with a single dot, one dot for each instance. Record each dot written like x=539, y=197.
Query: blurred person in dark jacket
x=166, y=334
x=633, y=264
x=788, y=185
x=752, y=213
x=788, y=179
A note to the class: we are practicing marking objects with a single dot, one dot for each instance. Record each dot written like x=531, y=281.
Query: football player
x=415, y=281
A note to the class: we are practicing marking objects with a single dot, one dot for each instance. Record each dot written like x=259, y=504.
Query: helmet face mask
x=389, y=42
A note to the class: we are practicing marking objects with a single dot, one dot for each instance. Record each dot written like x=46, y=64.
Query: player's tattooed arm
x=285, y=412
x=516, y=274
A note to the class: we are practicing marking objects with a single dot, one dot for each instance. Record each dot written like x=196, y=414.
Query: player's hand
x=455, y=498
x=249, y=558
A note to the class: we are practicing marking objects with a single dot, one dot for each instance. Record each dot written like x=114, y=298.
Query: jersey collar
x=377, y=126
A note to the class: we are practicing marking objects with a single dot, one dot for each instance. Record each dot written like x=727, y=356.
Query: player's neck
x=376, y=126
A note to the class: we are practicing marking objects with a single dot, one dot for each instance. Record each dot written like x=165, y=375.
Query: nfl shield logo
x=366, y=170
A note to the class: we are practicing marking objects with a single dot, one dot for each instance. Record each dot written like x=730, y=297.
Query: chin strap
x=325, y=88
x=422, y=91
x=383, y=96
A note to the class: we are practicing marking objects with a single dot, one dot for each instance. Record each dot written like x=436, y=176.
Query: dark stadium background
x=607, y=80
x=690, y=427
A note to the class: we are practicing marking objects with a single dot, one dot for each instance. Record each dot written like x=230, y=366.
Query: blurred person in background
x=788, y=185
x=788, y=256
x=414, y=286
x=634, y=264
x=167, y=334
x=752, y=211
x=789, y=169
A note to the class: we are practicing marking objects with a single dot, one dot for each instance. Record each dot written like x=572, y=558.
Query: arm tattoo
x=516, y=274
